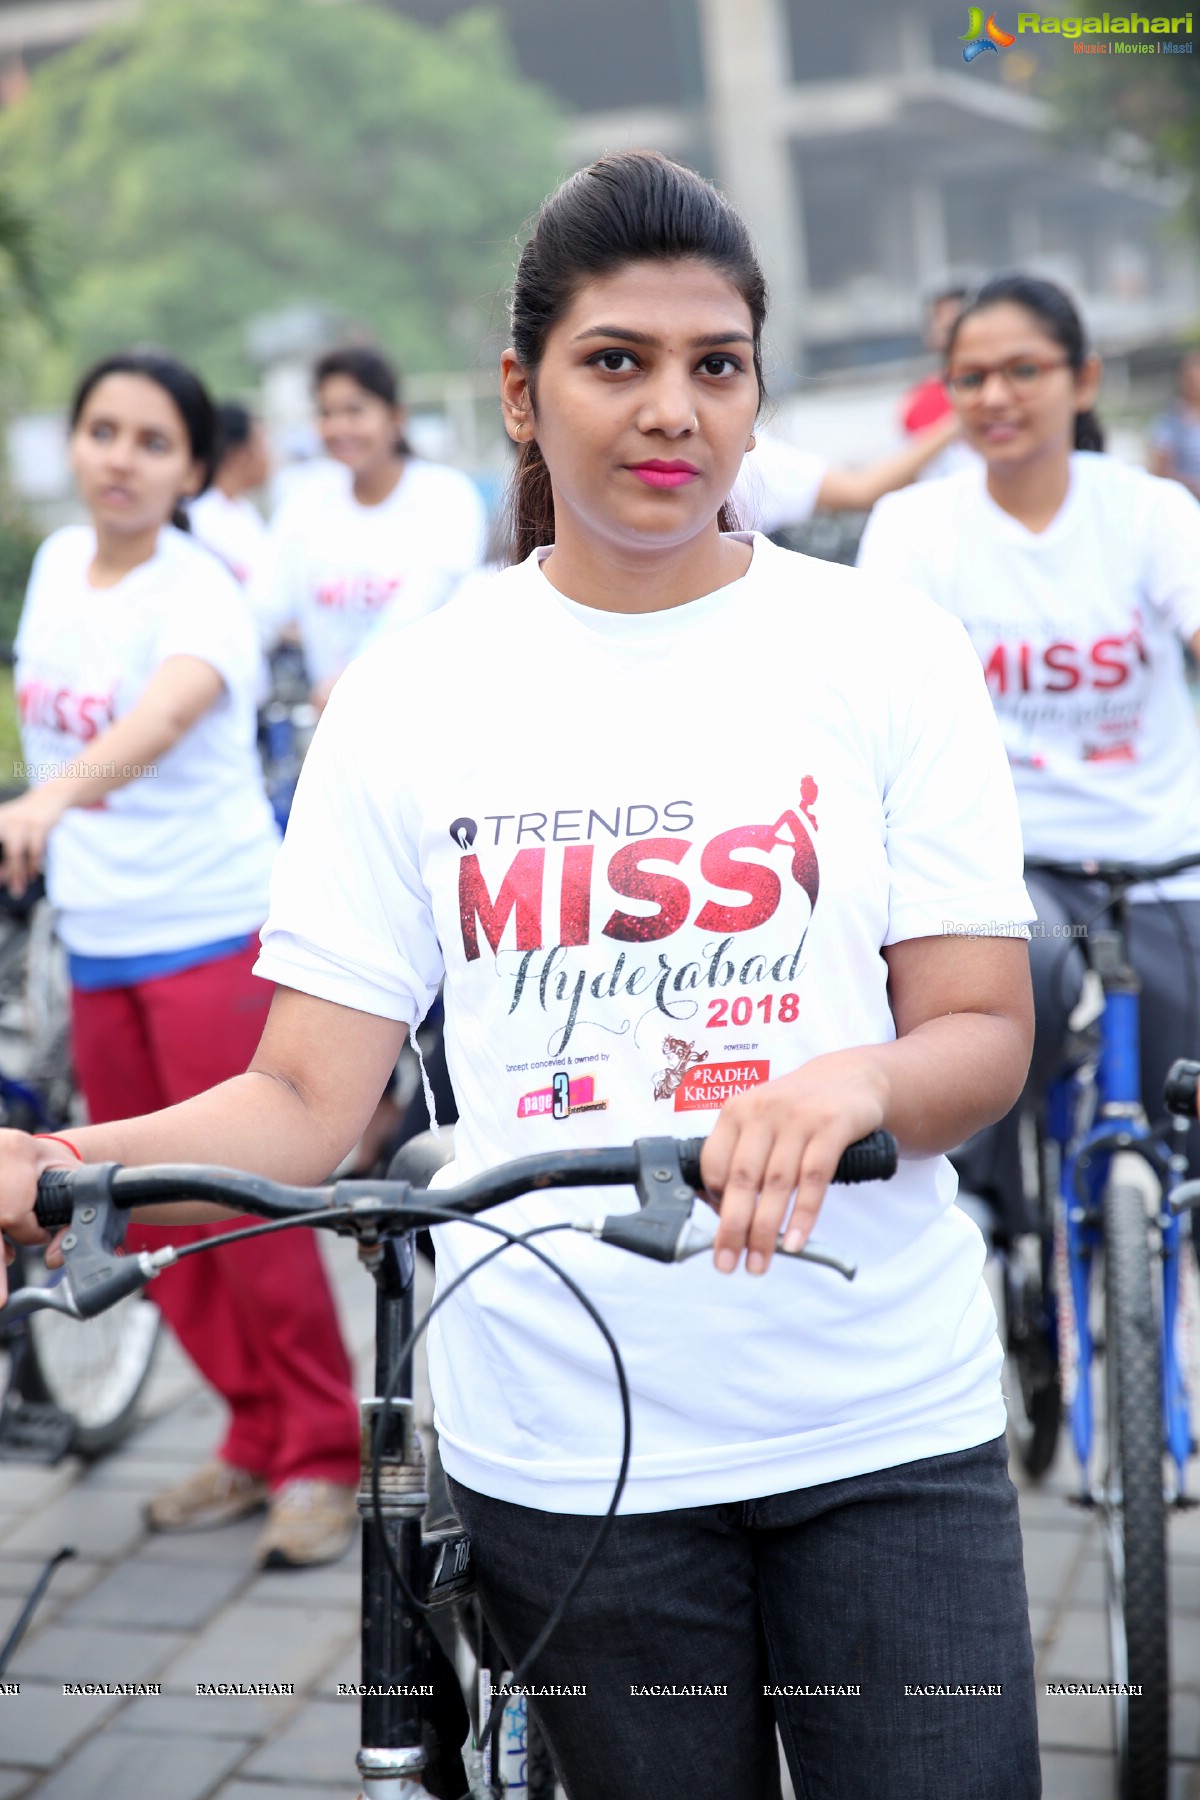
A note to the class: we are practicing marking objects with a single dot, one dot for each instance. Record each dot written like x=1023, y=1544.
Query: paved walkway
x=136, y=1607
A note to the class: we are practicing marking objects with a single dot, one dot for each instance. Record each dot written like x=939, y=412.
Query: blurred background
x=247, y=181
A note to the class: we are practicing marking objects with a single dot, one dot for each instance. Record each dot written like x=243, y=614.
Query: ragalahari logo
x=983, y=37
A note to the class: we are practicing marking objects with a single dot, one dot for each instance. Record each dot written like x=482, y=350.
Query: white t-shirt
x=339, y=570
x=234, y=530
x=1078, y=628
x=656, y=858
x=777, y=485
x=181, y=855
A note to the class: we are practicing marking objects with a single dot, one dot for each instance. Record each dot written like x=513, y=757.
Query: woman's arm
x=298, y=1110
x=857, y=490
x=181, y=690
x=964, y=1021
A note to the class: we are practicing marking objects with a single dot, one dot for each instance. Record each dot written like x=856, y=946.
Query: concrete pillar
x=747, y=66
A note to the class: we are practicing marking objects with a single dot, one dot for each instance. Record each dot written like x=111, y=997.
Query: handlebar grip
x=873, y=1158
x=55, y=1200
x=1180, y=1091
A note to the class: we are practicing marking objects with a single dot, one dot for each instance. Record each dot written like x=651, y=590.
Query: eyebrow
x=643, y=337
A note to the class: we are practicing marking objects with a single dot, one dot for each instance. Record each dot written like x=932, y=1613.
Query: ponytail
x=1089, y=433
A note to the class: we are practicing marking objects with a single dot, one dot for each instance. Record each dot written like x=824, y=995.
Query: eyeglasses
x=1023, y=375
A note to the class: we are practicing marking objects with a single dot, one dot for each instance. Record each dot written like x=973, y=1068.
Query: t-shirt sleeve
x=206, y=617
x=350, y=919
x=953, y=831
x=893, y=543
x=1172, y=555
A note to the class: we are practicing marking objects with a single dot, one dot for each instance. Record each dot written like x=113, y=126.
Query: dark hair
x=1057, y=313
x=633, y=206
x=235, y=423
x=182, y=385
x=371, y=371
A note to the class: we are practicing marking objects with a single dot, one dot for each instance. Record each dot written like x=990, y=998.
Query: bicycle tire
x=1133, y=1506
x=1035, y=1407
x=95, y=1370
x=541, y=1781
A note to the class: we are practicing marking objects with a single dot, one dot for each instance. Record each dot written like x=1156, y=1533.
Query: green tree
x=213, y=159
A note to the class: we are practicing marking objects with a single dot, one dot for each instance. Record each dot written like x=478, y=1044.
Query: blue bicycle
x=1105, y=1180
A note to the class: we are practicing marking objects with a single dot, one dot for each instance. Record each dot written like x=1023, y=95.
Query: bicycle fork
x=391, y=1758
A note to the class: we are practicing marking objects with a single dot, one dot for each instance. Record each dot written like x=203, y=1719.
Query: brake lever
x=94, y=1276
x=663, y=1228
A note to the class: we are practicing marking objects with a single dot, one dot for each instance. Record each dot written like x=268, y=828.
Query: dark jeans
x=1163, y=941
x=907, y=1578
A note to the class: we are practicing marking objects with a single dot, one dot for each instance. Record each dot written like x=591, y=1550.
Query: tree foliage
x=210, y=160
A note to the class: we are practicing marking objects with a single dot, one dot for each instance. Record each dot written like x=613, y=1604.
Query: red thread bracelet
x=48, y=1137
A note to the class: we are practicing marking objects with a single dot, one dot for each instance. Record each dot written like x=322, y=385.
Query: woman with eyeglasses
x=1077, y=577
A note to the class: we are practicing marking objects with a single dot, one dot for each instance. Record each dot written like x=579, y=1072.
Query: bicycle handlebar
x=1117, y=874
x=94, y=1200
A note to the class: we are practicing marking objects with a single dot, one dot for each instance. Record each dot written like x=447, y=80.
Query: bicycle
x=1091, y=1136
x=410, y=1741
x=66, y=1390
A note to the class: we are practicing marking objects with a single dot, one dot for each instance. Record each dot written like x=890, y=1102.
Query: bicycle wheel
x=1134, y=1510
x=93, y=1369
x=1035, y=1403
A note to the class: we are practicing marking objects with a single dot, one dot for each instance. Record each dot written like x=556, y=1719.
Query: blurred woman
x=137, y=668
x=349, y=559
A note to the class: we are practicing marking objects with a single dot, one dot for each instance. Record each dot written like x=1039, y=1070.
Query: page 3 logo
x=983, y=37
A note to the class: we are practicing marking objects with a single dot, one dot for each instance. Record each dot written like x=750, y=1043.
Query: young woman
x=1078, y=578
x=136, y=672
x=224, y=518
x=351, y=558
x=707, y=926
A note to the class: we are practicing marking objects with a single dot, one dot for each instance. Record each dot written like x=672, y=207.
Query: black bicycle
x=419, y=1738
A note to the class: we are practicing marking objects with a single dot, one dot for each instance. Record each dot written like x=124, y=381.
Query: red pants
x=258, y=1318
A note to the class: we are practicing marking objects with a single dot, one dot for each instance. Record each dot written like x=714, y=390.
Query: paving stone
x=1184, y=1587
x=1078, y=1651
x=15, y=1782
x=161, y=1715
x=265, y=1643
x=1185, y=1724
x=330, y=1584
x=1040, y=1620
x=1072, y=1775
x=1185, y=1649
x=35, y=1484
x=41, y=1724
x=101, y=1525
x=70, y=1579
x=319, y=1743
x=92, y=1653
x=185, y=1768
x=1050, y=1561
x=143, y=1594
x=1075, y=1721
x=270, y=1790
x=131, y=1473
x=347, y=1668
x=232, y=1545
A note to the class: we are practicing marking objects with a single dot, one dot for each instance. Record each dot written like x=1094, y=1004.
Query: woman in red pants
x=136, y=680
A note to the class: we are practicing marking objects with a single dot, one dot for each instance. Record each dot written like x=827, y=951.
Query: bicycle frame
x=1091, y=1117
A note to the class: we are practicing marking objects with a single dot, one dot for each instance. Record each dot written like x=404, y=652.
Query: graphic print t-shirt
x=1078, y=628
x=342, y=571
x=656, y=858
x=181, y=855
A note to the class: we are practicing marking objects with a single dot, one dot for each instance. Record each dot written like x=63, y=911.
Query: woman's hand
x=785, y=1138
x=22, y=1160
x=25, y=825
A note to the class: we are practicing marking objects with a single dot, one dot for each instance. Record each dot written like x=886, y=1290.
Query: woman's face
x=1026, y=397
x=131, y=455
x=357, y=427
x=645, y=402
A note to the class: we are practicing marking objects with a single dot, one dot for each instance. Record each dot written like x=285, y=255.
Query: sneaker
x=213, y=1495
x=311, y=1522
